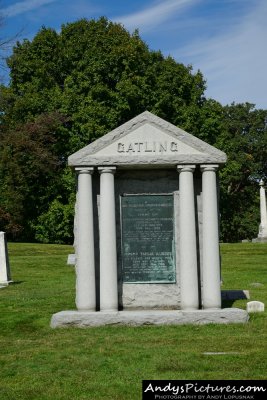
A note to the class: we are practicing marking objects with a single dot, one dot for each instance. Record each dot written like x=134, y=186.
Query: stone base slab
x=260, y=240
x=85, y=319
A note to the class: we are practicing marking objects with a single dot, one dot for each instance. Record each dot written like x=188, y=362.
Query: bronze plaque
x=147, y=239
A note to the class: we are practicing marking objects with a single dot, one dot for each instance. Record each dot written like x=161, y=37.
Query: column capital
x=186, y=168
x=84, y=170
x=109, y=170
x=209, y=167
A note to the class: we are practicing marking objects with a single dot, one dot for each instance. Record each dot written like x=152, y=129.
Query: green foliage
x=244, y=139
x=28, y=171
x=91, y=77
x=99, y=76
x=55, y=225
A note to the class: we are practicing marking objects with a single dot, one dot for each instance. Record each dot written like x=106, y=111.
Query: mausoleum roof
x=147, y=140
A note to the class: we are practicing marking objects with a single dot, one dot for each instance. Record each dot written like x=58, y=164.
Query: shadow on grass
x=229, y=297
x=227, y=303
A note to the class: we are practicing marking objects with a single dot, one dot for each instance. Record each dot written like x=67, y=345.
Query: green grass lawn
x=37, y=362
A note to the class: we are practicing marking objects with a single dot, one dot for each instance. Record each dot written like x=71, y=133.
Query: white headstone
x=255, y=306
x=71, y=259
x=4, y=262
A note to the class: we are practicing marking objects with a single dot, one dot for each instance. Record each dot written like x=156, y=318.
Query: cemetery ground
x=38, y=362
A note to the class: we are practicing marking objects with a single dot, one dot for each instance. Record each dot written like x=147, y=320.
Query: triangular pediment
x=147, y=140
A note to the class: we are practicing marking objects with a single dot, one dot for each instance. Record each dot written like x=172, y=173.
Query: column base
x=85, y=319
x=5, y=283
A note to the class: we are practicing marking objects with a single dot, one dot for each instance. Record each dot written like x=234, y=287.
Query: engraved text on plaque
x=147, y=239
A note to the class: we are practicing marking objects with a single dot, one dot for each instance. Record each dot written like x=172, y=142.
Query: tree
x=99, y=76
x=93, y=76
x=244, y=139
x=28, y=172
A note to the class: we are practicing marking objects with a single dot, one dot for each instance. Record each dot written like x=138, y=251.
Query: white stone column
x=211, y=291
x=107, y=239
x=263, y=225
x=188, y=248
x=85, y=264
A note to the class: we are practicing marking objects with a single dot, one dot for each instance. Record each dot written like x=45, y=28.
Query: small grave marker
x=71, y=259
x=255, y=306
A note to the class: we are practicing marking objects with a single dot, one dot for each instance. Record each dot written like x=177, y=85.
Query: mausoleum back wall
x=147, y=182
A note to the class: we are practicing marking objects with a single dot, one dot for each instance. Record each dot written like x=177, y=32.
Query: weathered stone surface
x=136, y=318
x=164, y=145
x=260, y=240
x=255, y=306
x=149, y=295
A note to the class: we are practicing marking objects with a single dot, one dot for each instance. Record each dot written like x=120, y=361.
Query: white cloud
x=24, y=6
x=234, y=62
x=151, y=17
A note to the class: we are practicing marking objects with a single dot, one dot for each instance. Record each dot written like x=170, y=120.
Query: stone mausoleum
x=146, y=229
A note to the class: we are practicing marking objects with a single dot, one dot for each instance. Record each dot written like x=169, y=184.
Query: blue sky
x=225, y=39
